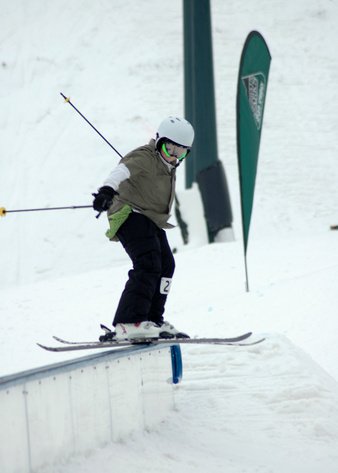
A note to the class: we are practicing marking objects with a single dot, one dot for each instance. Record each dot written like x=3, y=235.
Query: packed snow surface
x=271, y=408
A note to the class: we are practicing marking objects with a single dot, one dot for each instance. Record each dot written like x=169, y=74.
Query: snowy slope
x=121, y=63
x=50, y=156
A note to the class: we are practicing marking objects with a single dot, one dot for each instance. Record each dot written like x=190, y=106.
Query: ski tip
x=41, y=346
x=255, y=342
x=45, y=347
x=58, y=339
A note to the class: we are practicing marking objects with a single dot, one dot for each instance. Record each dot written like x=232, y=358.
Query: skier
x=138, y=195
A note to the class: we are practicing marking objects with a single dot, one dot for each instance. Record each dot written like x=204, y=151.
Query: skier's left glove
x=103, y=199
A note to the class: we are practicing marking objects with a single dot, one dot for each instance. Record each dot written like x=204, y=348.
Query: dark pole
x=203, y=165
x=67, y=99
x=3, y=211
x=189, y=84
x=199, y=82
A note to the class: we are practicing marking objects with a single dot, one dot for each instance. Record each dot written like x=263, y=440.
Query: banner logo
x=255, y=87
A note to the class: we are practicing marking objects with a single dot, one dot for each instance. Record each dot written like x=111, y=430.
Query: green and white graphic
x=255, y=86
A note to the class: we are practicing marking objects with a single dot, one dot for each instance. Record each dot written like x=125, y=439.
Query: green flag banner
x=251, y=93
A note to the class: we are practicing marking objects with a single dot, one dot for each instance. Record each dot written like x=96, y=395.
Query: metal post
x=203, y=165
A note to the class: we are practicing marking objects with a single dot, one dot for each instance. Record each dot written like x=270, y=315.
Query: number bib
x=165, y=285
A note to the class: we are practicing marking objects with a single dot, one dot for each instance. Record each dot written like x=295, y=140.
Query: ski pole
x=67, y=99
x=4, y=212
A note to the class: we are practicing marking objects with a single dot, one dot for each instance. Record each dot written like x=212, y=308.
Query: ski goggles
x=171, y=149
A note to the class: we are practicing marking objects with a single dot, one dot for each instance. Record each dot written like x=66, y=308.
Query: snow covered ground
x=270, y=408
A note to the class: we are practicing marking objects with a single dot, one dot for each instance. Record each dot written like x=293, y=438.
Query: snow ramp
x=52, y=413
x=269, y=408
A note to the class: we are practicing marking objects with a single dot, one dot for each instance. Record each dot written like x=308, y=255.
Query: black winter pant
x=146, y=290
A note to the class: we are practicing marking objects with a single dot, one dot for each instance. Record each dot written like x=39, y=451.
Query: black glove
x=103, y=198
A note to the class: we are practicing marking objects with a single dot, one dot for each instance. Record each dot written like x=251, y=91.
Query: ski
x=151, y=342
x=68, y=342
x=238, y=338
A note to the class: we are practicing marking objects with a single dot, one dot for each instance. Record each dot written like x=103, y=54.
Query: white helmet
x=175, y=129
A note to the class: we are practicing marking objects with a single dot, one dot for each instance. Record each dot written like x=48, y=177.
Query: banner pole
x=246, y=274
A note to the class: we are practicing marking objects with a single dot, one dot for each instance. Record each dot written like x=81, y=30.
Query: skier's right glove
x=103, y=199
